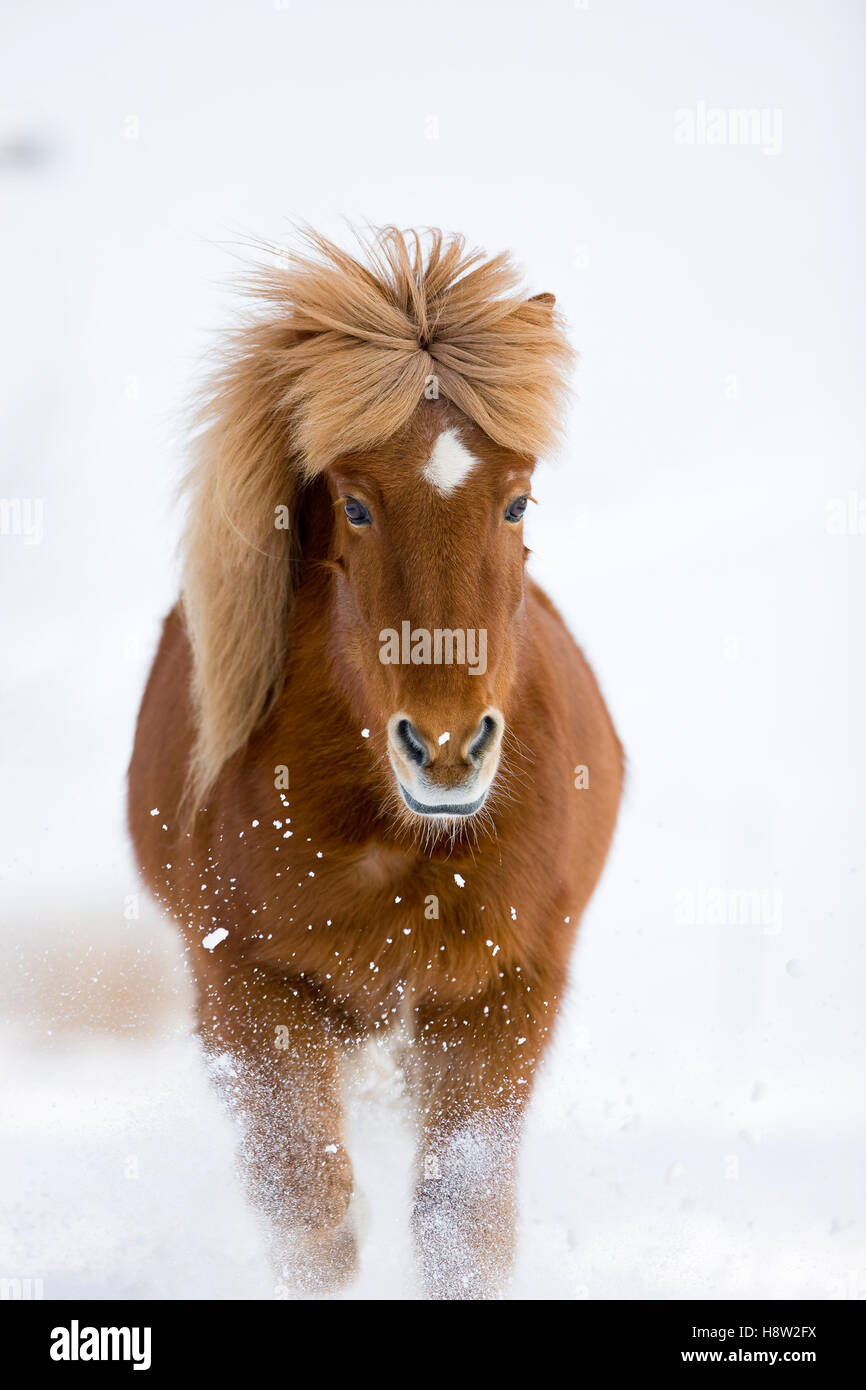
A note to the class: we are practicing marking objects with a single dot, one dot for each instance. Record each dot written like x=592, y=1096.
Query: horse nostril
x=411, y=743
x=484, y=738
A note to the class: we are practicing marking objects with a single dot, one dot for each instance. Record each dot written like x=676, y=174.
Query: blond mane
x=339, y=355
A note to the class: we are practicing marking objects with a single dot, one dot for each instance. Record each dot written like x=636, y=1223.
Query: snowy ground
x=118, y=1176
x=699, y=1126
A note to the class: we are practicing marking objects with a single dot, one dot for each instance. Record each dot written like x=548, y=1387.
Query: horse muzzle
x=448, y=773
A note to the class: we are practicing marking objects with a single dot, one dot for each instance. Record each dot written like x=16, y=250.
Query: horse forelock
x=361, y=339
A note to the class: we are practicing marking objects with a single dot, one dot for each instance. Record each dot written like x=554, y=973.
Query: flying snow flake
x=398, y=899
x=460, y=880
x=443, y=738
x=365, y=733
x=330, y=1148
x=214, y=938
x=155, y=811
x=254, y=824
x=514, y=914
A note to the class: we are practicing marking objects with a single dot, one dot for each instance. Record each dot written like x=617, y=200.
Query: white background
x=698, y=1129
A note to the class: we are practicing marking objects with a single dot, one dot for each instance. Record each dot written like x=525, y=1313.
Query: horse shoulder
x=568, y=713
x=163, y=740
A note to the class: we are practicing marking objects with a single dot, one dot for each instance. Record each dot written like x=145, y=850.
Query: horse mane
x=337, y=357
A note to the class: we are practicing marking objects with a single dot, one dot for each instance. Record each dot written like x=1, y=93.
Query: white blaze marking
x=450, y=463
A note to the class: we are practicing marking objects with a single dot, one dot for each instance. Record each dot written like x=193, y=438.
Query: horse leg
x=473, y=1065
x=276, y=1057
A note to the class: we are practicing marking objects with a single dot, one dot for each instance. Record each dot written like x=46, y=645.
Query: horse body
x=321, y=909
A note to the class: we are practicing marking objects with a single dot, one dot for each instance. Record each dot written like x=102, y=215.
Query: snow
x=698, y=1127
x=214, y=938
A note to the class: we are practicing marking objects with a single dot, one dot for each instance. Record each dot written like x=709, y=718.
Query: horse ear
x=547, y=299
x=240, y=554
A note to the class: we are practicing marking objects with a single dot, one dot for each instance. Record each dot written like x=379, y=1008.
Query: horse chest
x=378, y=926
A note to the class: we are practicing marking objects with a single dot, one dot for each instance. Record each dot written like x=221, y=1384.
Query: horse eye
x=357, y=512
x=514, y=511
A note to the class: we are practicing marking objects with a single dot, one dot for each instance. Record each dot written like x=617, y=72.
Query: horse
x=353, y=777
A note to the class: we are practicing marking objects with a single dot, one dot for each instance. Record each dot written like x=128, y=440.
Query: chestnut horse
x=353, y=783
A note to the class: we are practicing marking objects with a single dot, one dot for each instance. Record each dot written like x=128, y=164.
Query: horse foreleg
x=474, y=1066
x=277, y=1058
